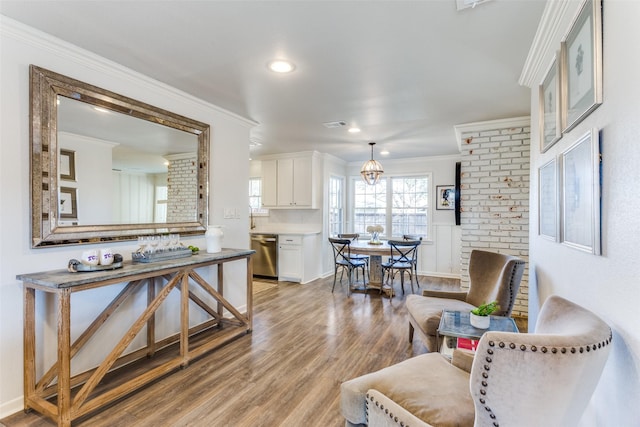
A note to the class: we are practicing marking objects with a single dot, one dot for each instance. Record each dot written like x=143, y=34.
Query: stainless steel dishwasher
x=265, y=260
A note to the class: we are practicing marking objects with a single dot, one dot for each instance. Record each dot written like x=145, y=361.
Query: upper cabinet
x=291, y=182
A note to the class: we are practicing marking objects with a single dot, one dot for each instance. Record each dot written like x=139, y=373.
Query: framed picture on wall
x=548, y=200
x=581, y=194
x=68, y=203
x=550, y=128
x=68, y=165
x=446, y=197
x=581, y=54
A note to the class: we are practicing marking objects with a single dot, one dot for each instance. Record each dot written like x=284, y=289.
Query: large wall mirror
x=106, y=167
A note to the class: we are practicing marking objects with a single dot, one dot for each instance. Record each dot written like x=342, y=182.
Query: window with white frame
x=255, y=197
x=399, y=203
x=336, y=205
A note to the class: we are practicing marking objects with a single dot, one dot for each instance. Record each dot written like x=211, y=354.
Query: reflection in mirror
x=129, y=168
x=124, y=167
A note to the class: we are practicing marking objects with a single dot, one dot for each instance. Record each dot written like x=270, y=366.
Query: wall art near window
x=458, y=185
x=581, y=194
x=581, y=72
x=68, y=203
x=548, y=200
x=68, y=165
x=550, y=107
x=446, y=195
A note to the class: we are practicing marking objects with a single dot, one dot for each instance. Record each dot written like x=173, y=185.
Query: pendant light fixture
x=371, y=170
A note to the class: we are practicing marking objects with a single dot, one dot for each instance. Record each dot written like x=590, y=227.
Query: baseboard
x=440, y=274
x=11, y=407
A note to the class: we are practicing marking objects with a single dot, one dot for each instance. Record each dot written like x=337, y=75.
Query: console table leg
x=64, y=358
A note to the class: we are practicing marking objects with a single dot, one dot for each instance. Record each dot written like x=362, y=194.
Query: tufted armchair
x=546, y=378
x=492, y=276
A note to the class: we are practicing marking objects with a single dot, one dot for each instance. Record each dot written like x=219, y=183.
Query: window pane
x=336, y=206
x=370, y=205
x=407, y=203
x=409, y=208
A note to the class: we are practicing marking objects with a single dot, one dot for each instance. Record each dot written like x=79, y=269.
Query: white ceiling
x=405, y=72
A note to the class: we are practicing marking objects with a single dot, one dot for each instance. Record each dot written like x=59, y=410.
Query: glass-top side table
x=455, y=324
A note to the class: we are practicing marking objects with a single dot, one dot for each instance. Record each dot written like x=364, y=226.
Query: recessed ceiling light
x=384, y=153
x=281, y=66
x=354, y=129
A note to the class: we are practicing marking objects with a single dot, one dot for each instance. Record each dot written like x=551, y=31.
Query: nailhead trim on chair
x=533, y=349
x=386, y=411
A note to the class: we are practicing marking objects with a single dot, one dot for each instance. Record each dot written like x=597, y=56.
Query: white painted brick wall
x=494, y=199
x=182, y=195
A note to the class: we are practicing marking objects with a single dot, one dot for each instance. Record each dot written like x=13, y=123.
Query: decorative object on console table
x=213, y=237
x=375, y=231
x=582, y=65
x=446, y=197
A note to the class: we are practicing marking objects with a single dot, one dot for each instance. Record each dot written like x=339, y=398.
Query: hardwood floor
x=305, y=342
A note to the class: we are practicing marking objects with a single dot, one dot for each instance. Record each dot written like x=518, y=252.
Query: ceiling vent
x=333, y=125
x=465, y=4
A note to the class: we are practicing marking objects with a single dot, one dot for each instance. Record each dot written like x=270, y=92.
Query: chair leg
x=335, y=275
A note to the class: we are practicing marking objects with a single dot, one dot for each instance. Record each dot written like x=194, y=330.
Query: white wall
x=607, y=284
x=229, y=166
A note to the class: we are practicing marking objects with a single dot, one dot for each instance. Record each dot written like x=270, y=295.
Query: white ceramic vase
x=480, y=322
x=213, y=237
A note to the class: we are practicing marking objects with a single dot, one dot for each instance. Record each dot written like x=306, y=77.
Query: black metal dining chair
x=353, y=237
x=415, y=261
x=342, y=260
x=402, y=259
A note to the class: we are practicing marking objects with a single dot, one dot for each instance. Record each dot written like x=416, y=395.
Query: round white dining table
x=375, y=252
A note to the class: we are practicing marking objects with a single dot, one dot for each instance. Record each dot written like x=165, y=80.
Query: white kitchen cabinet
x=269, y=183
x=291, y=182
x=290, y=258
x=299, y=257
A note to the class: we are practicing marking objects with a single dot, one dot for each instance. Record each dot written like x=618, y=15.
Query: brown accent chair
x=525, y=380
x=492, y=277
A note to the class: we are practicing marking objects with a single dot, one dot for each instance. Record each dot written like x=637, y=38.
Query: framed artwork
x=548, y=200
x=67, y=165
x=457, y=190
x=68, y=203
x=446, y=195
x=581, y=72
x=581, y=194
x=550, y=107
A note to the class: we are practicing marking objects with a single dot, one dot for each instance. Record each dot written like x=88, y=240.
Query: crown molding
x=553, y=27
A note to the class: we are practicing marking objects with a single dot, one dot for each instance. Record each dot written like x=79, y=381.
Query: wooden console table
x=78, y=395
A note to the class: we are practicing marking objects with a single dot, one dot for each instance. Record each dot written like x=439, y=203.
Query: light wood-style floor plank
x=305, y=342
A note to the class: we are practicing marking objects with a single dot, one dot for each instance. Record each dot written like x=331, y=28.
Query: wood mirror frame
x=46, y=227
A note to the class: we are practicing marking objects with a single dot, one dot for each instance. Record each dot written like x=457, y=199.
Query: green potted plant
x=479, y=316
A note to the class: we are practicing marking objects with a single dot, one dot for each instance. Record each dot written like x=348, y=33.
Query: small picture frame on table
x=581, y=54
x=446, y=197
x=67, y=165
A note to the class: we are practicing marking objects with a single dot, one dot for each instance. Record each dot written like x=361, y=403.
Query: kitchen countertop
x=284, y=232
